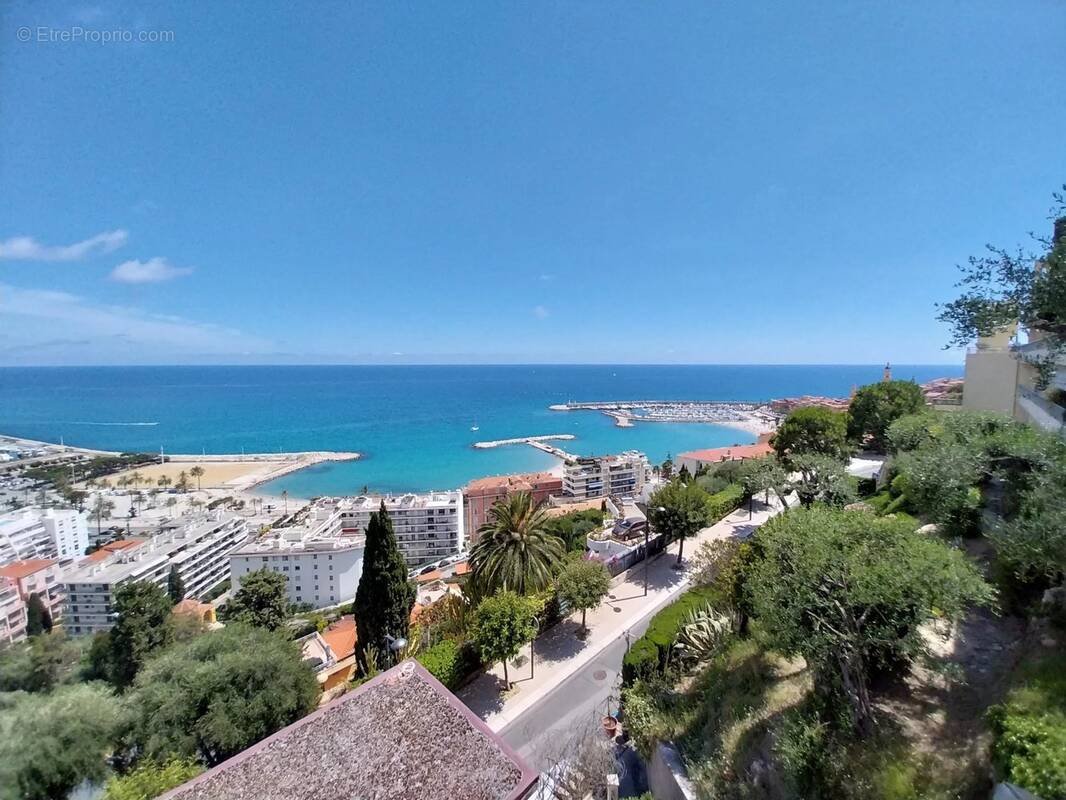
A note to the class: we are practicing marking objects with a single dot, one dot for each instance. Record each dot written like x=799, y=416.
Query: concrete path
x=560, y=652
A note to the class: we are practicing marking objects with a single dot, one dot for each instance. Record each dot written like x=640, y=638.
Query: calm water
x=412, y=423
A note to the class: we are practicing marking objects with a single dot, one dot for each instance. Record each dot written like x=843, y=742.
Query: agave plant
x=703, y=631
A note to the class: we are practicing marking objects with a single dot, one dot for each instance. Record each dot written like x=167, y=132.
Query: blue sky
x=706, y=182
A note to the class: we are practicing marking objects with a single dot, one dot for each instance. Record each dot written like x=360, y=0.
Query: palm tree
x=136, y=478
x=101, y=510
x=514, y=550
x=197, y=472
x=164, y=481
x=183, y=481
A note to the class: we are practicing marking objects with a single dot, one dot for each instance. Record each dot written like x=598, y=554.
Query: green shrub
x=1030, y=729
x=650, y=653
x=640, y=661
x=865, y=487
x=450, y=662
x=726, y=501
x=879, y=501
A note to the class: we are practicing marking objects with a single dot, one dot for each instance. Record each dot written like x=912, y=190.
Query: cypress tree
x=38, y=620
x=175, y=585
x=385, y=596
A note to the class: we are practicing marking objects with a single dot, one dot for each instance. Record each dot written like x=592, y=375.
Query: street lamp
x=536, y=627
x=395, y=646
x=647, y=555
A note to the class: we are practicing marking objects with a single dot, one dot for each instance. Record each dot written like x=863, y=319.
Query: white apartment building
x=620, y=475
x=199, y=549
x=427, y=526
x=30, y=533
x=319, y=569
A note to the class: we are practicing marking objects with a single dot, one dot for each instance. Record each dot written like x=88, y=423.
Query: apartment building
x=12, y=613
x=427, y=526
x=619, y=475
x=320, y=568
x=199, y=549
x=480, y=495
x=40, y=576
x=32, y=533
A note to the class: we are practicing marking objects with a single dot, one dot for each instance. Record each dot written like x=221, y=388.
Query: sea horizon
x=412, y=424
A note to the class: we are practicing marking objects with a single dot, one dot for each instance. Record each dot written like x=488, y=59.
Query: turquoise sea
x=412, y=423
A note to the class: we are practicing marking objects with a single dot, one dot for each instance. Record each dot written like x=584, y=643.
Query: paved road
x=539, y=734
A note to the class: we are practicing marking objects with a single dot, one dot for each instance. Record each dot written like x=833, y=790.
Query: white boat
x=474, y=427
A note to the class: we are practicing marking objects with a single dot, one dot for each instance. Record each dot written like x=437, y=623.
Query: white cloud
x=26, y=248
x=154, y=270
x=34, y=319
x=540, y=312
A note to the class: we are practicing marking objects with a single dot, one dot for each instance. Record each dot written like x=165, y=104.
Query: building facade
x=480, y=495
x=319, y=569
x=12, y=613
x=199, y=549
x=620, y=475
x=32, y=533
x=41, y=577
x=428, y=527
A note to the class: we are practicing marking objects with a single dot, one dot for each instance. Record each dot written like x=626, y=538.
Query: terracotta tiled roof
x=113, y=547
x=341, y=637
x=23, y=569
x=462, y=568
x=523, y=481
x=729, y=453
x=435, y=575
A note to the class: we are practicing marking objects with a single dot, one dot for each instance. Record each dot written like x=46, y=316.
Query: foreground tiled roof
x=520, y=482
x=401, y=735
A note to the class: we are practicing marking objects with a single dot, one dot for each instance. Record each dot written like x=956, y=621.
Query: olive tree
x=848, y=591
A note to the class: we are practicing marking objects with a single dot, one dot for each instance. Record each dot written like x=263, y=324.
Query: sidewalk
x=559, y=652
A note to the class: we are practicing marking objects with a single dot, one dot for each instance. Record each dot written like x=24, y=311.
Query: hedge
x=449, y=662
x=649, y=653
x=726, y=501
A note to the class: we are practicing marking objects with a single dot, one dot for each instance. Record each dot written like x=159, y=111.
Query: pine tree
x=385, y=596
x=175, y=585
x=38, y=620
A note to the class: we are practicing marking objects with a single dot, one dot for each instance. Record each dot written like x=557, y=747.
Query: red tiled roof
x=729, y=453
x=521, y=481
x=435, y=575
x=23, y=569
x=462, y=568
x=113, y=547
x=341, y=637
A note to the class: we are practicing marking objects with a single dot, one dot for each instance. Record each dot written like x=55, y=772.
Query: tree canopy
x=50, y=743
x=217, y=694
x=848, y=591
x=514, y=549
x=142, y=627
x=502, y=624
x=877, y=405
x=262, y=601
x=814, y=430
x=38, y=618
x=385, y=595
x=175, y=585
x=583, y=583
x=1008, y=287
x=679, y=510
